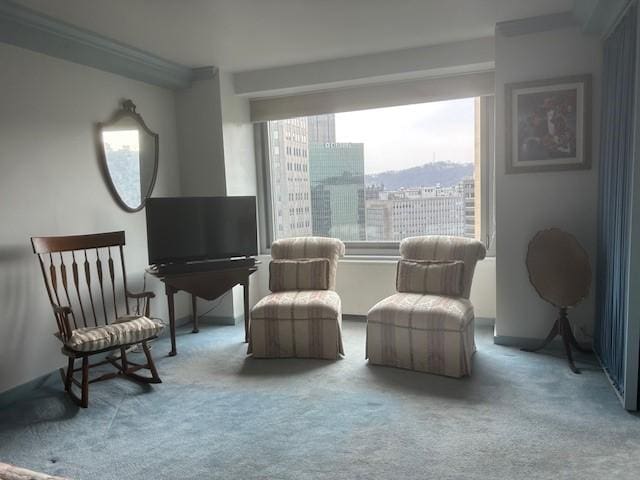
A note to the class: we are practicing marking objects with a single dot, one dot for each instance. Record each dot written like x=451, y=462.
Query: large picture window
x=373, y=177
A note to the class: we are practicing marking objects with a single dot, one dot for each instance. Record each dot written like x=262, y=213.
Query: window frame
x=386, y=250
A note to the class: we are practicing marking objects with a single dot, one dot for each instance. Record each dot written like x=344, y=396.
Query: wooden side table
x=209, y=284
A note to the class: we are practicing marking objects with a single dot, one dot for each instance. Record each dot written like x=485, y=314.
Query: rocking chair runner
x=82, y=309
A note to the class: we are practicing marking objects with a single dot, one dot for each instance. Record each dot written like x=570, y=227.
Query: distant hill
x=444, y=173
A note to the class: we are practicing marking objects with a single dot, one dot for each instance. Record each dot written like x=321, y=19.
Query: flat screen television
x=187, y=229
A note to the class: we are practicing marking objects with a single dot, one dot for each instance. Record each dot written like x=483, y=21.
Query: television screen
x=183, y=229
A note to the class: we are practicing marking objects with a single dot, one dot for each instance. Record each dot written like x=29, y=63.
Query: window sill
x=353, y=258
x=391, y=257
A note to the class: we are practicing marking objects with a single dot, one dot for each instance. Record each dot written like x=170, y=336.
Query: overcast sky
x=400, y=137
x=118, y=139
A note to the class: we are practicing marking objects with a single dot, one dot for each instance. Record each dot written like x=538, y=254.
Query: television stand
x=208, y=280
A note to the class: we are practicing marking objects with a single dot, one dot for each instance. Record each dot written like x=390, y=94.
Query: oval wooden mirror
x=128, y=152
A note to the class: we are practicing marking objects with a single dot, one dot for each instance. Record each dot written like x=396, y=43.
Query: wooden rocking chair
x=82, y=309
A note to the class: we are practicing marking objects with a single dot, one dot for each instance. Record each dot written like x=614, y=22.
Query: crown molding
x=26, y=28
x=203, y=73
x=592, y=16
x=541, y=23
x=599, y=16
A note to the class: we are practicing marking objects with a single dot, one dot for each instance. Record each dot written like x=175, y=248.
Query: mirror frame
x=127, y=110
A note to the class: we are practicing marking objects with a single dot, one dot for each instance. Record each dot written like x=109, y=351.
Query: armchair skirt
x=427, y=333
x=302, y=324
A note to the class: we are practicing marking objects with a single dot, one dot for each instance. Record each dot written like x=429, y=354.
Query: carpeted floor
x=221, y=415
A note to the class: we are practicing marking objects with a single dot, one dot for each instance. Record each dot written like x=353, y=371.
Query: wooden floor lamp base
x=562, y=327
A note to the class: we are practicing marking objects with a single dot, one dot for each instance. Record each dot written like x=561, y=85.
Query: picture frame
x=548, y=125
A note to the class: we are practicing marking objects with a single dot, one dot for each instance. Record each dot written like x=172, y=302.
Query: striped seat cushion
x=124, y=331
x=432, y=277
x=307, y=274
x=301, y=305
x=422, y=312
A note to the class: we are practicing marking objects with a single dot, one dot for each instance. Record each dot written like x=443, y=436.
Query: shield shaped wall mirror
x=128, y=152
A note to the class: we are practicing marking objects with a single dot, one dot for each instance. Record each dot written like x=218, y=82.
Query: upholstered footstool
x=427, y=333
x=301, y=324
x=10, y=472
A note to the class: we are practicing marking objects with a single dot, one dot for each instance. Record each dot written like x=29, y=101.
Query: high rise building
x=289, y=154
x=379, y=220
x=468, y=193
x=336, y=173
x=394, y=215
x=322, y=128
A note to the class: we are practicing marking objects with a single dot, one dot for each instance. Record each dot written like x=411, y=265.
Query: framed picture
x=548, y=125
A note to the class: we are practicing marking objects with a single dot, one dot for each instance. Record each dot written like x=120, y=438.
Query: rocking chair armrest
x=146, y=301
x=140, y=295
x=62, y=317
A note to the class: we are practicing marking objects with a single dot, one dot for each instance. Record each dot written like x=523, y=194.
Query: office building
x=322, y=128
x=336, y=174
x=289, y=153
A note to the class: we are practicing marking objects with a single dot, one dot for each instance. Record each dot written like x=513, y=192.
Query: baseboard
x=179, y=323
x=479, y=321
x=526, y=342
x=223, y=320
x=354, y=318
x=520, y=342
x=208, y=320
x=27, y=389
x=484, y=321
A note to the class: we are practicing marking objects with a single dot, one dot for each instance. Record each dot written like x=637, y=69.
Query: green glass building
x=336, y=175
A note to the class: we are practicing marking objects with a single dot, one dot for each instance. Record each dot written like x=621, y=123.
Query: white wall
x=527, y=203
x=201, y=151
x=239, y=156
x=50, y=184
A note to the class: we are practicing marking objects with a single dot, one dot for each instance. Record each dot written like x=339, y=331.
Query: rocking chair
x=82, y=311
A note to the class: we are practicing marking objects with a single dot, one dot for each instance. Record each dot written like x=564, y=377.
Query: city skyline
x=319, y=187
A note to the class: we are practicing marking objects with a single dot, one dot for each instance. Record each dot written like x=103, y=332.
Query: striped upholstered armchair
x=302, y=317
x=428, y=325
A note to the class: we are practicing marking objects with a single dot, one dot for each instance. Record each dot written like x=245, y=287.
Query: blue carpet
x=221, y=415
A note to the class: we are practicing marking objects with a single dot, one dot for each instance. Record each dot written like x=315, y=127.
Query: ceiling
x=239, y=35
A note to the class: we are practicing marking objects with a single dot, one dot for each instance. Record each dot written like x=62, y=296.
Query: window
x=373, y=177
